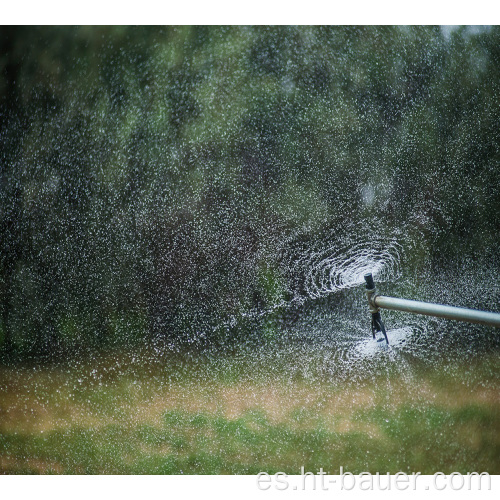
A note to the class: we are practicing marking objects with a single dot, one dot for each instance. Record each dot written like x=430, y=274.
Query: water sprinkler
x=377, y=302
x=377, y=323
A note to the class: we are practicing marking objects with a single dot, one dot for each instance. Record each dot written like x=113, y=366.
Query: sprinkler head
x=370, y=284
x=377, y=323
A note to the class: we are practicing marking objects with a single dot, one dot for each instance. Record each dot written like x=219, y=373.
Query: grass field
x=123, y=414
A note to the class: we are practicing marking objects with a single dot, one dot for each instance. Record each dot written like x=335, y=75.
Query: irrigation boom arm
x=449, y=312
x=377, y=302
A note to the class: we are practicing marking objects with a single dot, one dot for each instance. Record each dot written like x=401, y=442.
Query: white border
x=251, y=12
x=198, y=487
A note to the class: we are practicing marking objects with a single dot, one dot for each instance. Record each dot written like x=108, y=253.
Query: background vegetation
x=149, y=176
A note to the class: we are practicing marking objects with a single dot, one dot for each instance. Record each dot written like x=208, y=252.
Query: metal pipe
x=441, y=311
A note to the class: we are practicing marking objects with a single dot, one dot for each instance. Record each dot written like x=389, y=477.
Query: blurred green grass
x=131, y=422
x=410, y=439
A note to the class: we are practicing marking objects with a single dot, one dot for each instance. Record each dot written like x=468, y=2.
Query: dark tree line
x=150, y=176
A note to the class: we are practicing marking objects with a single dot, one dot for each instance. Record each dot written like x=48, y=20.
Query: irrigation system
x=377, y=302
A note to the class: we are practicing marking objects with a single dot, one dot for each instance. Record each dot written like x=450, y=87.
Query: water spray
x=377, y=302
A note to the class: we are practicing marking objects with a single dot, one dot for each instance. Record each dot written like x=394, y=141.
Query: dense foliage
x=151, y=178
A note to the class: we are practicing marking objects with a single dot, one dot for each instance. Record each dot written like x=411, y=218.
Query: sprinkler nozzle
x=370, y=284
x=377, y=323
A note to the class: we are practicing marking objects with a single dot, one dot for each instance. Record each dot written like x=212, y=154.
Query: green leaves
x=134, y=158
